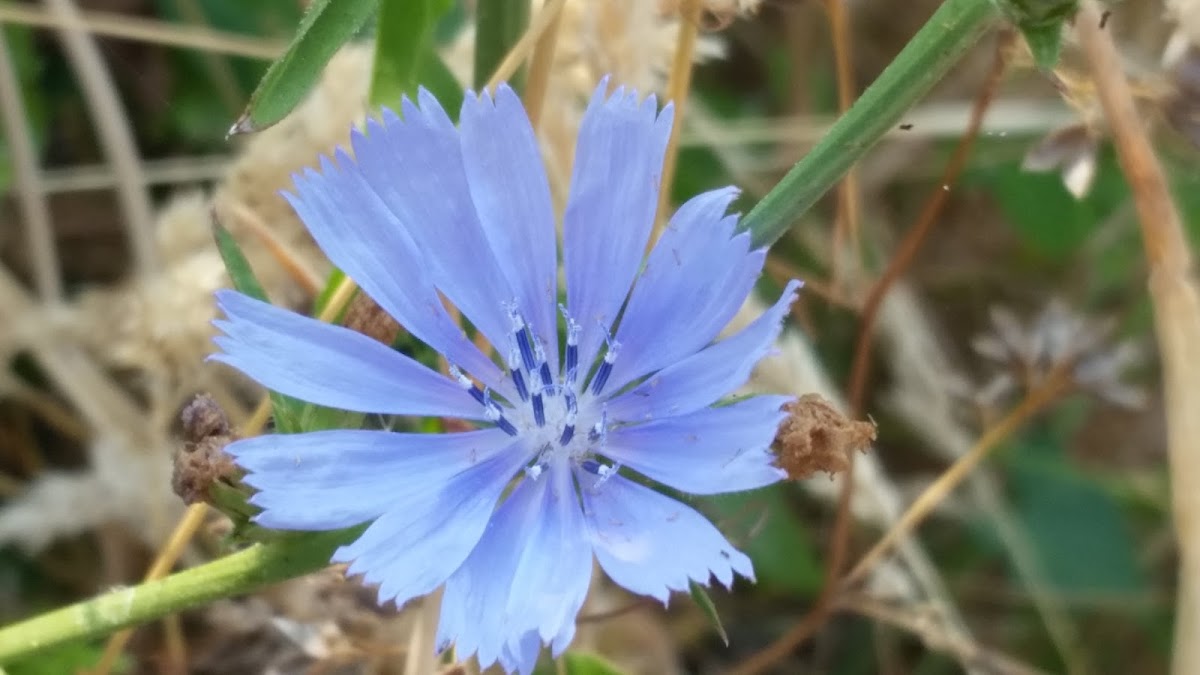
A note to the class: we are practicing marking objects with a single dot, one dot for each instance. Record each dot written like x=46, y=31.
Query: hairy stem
x=242, y=572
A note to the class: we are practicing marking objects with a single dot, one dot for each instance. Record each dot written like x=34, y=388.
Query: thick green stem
x=499, y=24
x=949, y=33
x=242, y=572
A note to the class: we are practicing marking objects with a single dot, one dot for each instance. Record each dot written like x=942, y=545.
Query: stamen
x=599, y=431
x=465, y=382
x=526, y=348
x=605, y=369
x=519, y=380
x=521, y=336
x=496, y=416
x=539, y=410
x=602, y=471
x=547, y=378
x=568, y=431
x=605, y=472
x=572, y=361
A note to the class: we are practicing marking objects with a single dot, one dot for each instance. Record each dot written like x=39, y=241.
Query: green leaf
x=403, y=43
x=700, y=597
x=1059, y=223
x=585, y=663
x=438, y=79
x=1041, y=22
x=1081, y=536
x=1045, y=42
x=287, y=411
x=326, y=26
x=236, y=264
x=498, y=26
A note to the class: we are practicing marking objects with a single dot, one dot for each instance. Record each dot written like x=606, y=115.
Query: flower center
x=557, y=416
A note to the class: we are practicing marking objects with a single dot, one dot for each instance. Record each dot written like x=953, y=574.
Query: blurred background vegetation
x=1058, y=556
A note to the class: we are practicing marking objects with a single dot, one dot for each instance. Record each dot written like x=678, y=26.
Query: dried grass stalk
x=1177, y=319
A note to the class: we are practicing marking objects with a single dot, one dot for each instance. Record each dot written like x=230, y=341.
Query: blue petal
x=610, y=211
x=512, y=197
x=529, y=574
x=709, y=451
x=552, y=577
x=708, y=375
x=331, y=365
x=652, y=544
x=326, y=480
x=416, y=166
x=431, y=528
x=521, y=654
x=364, y=239
x=694, y=281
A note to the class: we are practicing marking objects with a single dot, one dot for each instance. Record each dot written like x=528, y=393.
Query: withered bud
x=816, y=437
x=368, y=318
x=201, y=460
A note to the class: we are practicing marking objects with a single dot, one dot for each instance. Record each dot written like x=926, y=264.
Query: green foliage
x=27, y=66
x=404, y=44
x=584, y=663
x=1051, y=221
x=324, y=29
x=1041, y=22
x=705, y=603
x=498, y=26
x=1077, y=528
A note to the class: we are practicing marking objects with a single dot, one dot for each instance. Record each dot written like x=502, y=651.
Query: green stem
x=290, y=556
x=953, y=29
x=499, y=24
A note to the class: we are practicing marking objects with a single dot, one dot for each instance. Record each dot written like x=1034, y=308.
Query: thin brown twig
x=1037, y=400
x=516, y=56
x=840, y=537
x=113, y=129
x=304, y=276
x=679, y=83
x=28, y=181
x=140, y=29
x=1176, y=303
x=846, y=226
x=907, y=250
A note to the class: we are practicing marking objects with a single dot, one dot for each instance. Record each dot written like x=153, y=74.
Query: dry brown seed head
x=201, y=460
x=817, y=437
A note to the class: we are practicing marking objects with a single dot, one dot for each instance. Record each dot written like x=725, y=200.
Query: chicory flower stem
x=952, y=30
x=236, y=574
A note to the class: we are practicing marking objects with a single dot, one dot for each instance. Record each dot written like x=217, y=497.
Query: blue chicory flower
x=425, y=210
